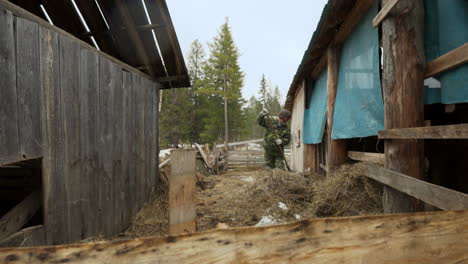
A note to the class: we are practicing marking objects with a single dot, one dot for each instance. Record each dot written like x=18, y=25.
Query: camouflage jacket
x=274, y=130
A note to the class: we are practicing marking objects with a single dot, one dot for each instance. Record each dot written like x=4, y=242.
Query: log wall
x=91, y=120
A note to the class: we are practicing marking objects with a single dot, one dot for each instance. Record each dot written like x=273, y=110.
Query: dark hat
x=284, y=113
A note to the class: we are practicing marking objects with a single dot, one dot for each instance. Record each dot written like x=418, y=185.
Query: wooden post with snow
x=182, y=192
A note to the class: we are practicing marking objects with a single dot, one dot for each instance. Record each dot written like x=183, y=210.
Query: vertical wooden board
x=155, y=169
x=182, y=192
x=29, y=90
x=106, y=146
x=89, y=143
x=141, y=168
x=117, y=175
x=136, y=143
x=69, y=88
x=9, y=134
x=148, y=126
x=126, y=213
x=51, y=114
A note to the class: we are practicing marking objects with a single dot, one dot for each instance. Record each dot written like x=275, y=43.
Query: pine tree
x=196, y=64
x=223, y=83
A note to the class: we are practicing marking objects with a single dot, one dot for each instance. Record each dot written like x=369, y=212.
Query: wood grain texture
x=18, y=11
x=148, y=139
x=367, y=156
x=182, y=192
x=116, y=201
x=52, y=169
x=127, y=203
x=402, y=79
x=27, y=237
x=384, y=12
x=447, y=61
x=431, y=238
x=28, y=88
x=9, y=134
x=72, y=163
x=336, y=151
x=137, y=142
x=89, y=140
x=106, y=146
x=432, y=132
x=432, y=194
x=17, y=217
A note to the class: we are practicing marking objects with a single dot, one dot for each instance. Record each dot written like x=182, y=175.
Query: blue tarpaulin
x=446, y=28
x=358, y=104
x=315, y=115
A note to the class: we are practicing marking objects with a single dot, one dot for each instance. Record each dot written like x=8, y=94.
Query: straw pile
x=245, y=198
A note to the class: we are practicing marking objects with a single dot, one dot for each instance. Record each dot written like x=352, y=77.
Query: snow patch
x=282, y=206
x=164, y=152
x=247, y=179
x=266, y=221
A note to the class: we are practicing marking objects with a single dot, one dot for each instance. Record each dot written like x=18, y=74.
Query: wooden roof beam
x=139, y=28
x=134, y=37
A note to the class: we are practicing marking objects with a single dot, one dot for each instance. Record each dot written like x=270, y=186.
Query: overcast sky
x=271, y=35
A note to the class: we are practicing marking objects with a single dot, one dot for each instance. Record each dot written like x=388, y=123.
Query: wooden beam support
x=139, y=28
x=170, y=78
x=27, y=237
x=336, y=152
x=367, y=156
x=447, y=61
x=432, y=132
x=402, y=79
x=384, y=12
x=182, y=192
x=17, y=217
x=134, y=37
x=430, y=238
x=432, y=194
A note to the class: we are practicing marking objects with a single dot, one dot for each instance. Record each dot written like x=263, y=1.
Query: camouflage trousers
x=273, y=157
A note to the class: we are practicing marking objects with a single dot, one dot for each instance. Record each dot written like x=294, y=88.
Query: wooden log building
x=403, y=143
x=79, y=101
x=385, y=82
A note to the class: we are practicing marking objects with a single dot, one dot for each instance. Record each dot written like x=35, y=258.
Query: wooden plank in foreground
x=447, y=61
x=182, y=192
x=12, y=221
x=367, y=156
x=432, y=194
x=437, y=237
x=431, y=132
x=384, y=12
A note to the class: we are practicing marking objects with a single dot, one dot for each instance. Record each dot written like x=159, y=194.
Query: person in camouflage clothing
x=277, y=135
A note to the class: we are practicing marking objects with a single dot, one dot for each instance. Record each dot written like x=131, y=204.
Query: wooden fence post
x=336, y=151
x=402, y=82
x=182, y=192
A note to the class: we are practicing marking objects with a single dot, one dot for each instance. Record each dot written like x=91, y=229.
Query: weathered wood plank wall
x=93, y=123
x=297, y=119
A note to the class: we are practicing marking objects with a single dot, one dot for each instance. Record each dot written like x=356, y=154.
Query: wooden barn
x=360, y=93
x=386, y=87
x=79, y=101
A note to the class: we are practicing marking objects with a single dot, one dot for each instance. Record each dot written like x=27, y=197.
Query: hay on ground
x=243, y=197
